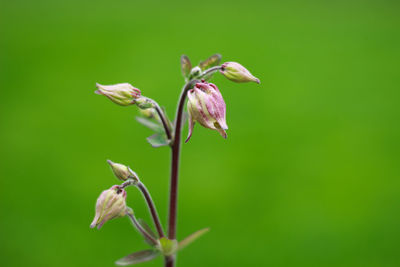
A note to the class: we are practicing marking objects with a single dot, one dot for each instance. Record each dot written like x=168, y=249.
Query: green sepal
x=138, y=257
x=158, y=140
x=185, y=242
x=167, y=246
x=212, y=61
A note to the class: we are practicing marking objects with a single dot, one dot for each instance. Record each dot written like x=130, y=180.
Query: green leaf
x=167, y=246
x=212, y=61
x=186, y=66
x=151, y=125
x=157, y=140
x=185, y=242
x=138, y=257
x=147, y=228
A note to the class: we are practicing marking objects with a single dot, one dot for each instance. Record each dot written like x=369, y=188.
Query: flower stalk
x=152, y=208
x=137, y=225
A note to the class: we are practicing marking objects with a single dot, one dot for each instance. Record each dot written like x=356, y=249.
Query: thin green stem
x=164, y=119
x=140, y=228
x=152, y=208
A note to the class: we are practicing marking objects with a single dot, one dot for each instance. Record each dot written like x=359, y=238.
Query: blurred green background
x=309, y=174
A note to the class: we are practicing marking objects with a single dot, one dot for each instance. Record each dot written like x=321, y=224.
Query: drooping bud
x=110, y=204
x=122, y=94
x=237, y=73
x=121, y=171
x=207, y=107
x=195, y=72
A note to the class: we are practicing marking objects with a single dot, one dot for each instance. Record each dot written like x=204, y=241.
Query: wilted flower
x=237, y=73
x=122, y=94
x=121, y=171
x=110, y=204
x=207, y=107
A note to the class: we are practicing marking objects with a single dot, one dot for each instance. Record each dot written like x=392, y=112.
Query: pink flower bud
x=110, y=204
x=207, y=107
x=122, y=94
x=237, y=73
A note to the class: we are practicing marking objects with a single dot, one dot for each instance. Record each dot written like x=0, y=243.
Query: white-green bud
x=237, y=73
x=121, y=171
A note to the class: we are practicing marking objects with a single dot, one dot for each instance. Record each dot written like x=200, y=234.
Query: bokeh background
x=309, y=175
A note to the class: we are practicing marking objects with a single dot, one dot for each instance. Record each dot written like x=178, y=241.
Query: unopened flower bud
x=122, y=94
x=195, y=72
x=121, y=171
x=207, y=107
x=110, y=204
x=237, y=73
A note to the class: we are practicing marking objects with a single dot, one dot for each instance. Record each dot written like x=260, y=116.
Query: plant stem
x=163, y=120
x=126, y=184
x=209, y=71
x=169, y=261
x=152, y=208
x=140, y=228
x=176, y=148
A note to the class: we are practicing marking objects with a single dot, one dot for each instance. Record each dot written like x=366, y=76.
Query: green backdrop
x=309, y=174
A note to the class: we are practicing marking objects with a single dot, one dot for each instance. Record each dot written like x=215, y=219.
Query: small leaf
x=167, y=246
x=151, y=125
x=157, y=140
x=212, y=61
x=137, y=257
x=147, y=228
x=185, y=242
x=186, y=66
